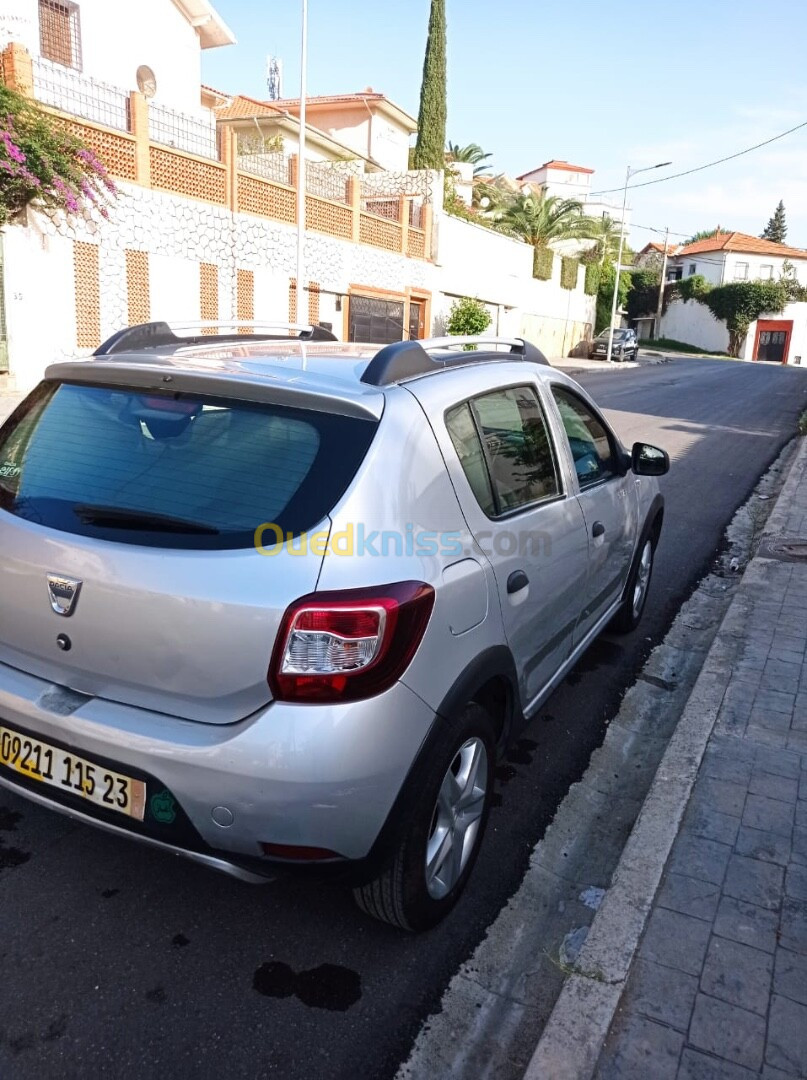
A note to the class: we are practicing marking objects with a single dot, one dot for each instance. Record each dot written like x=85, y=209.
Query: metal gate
x=374, y=320
x=3, y=330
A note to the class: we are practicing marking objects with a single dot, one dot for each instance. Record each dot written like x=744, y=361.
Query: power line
x=709, y=165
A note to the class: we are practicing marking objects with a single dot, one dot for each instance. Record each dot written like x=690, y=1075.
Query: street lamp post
x=301, y=180
x=631, y=172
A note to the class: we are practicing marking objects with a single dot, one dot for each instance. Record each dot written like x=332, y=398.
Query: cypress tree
x=776, y=229
x=431, y=140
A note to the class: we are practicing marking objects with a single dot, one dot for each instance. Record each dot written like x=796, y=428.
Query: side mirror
x=647, y=460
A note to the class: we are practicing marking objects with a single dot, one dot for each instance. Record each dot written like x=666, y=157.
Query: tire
x=636, y=589
x=406, y=894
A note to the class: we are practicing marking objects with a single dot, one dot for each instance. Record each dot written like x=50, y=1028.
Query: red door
x=773, y=340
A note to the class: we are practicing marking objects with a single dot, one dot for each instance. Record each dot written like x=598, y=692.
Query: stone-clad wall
x=178, y=236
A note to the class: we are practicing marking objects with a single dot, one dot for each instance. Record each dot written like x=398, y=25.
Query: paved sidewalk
x=719, y=987
x=695, y=967
x=575, y=365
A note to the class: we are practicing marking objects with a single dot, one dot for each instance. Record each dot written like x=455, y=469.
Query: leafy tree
x=605, y=294
x=795, y=291
x=691, y=288
x=643, y=296
x=704, y=234
x=539, y=221
x=776, y=229
x=472, y=153
x=467, y=317
x=431, y=139
x=739, y=303
x=43, y=165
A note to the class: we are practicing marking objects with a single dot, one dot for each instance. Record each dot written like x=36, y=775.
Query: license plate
x=67, y=771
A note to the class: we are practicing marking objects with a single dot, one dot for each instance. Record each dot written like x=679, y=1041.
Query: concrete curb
x=571, y=1042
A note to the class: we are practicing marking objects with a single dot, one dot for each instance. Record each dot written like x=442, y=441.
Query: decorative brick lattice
x=293, y=300
x=88, y=295
x=137, y=286
x=313, y=302
x=269, y=200
x=245, y=298
x=416, y=248
x=328, y=217
x=208, y=294
x=380, y=233
x=116, y=151
x=187, y=176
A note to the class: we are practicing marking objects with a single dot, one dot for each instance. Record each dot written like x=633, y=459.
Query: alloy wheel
x=642, y=578
x=456, y=818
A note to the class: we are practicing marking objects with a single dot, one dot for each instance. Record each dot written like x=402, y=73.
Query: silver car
x=273, y=601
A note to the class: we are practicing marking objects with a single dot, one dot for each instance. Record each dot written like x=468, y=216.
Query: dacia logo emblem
x=63, y=593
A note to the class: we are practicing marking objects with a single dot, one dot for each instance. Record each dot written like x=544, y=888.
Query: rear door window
x=173, y=470
x=514, y=465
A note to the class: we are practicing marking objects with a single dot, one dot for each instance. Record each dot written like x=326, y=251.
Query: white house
x=154, y=47
x=735, y=256
x=371, y=125
x=573, y=182
x=202, y=230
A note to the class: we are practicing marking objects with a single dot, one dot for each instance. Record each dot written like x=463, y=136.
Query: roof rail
x=155, y=335
x=407, y=359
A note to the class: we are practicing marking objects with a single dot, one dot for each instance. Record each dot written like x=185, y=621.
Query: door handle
x=597, y=529
x=517, y=581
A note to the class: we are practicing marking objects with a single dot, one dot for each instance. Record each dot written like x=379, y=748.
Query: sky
x=605, y=85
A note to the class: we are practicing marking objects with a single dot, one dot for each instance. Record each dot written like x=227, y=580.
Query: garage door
x=374, y=320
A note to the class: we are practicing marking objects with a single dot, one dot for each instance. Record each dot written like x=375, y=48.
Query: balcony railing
x=71, y=92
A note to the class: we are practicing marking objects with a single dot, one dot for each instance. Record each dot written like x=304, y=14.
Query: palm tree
x=606, y=233
x=472, y=153
x=540, y=220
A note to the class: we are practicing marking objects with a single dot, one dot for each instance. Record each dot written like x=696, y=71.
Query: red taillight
x=342, y=646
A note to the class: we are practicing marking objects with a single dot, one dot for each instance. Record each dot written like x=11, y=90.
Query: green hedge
x=568, y=272
x=592, y=282
x=542, y=260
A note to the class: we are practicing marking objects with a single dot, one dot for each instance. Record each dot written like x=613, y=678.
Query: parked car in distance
x=281, y=603
x=625, y=347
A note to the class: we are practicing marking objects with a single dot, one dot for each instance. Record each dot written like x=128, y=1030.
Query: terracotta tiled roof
x=742, y=242
x=654, y=245
x=362, y=97
x=554, y=164
x=241, y=108
x=329, y=99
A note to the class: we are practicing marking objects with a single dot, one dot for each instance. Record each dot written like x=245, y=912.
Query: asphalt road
x=118, y=960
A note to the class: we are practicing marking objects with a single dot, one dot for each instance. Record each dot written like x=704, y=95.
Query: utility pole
x=301, y=164
x=660, y=309
x=630, y=172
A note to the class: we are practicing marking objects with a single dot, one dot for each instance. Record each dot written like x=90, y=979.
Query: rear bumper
x=300, y=775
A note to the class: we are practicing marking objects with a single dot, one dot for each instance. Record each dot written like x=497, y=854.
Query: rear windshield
x=173, y=470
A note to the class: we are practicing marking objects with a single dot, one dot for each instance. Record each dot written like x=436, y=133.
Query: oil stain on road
x=328, y=986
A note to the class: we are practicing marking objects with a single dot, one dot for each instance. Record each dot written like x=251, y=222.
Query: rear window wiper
x=117, y=517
